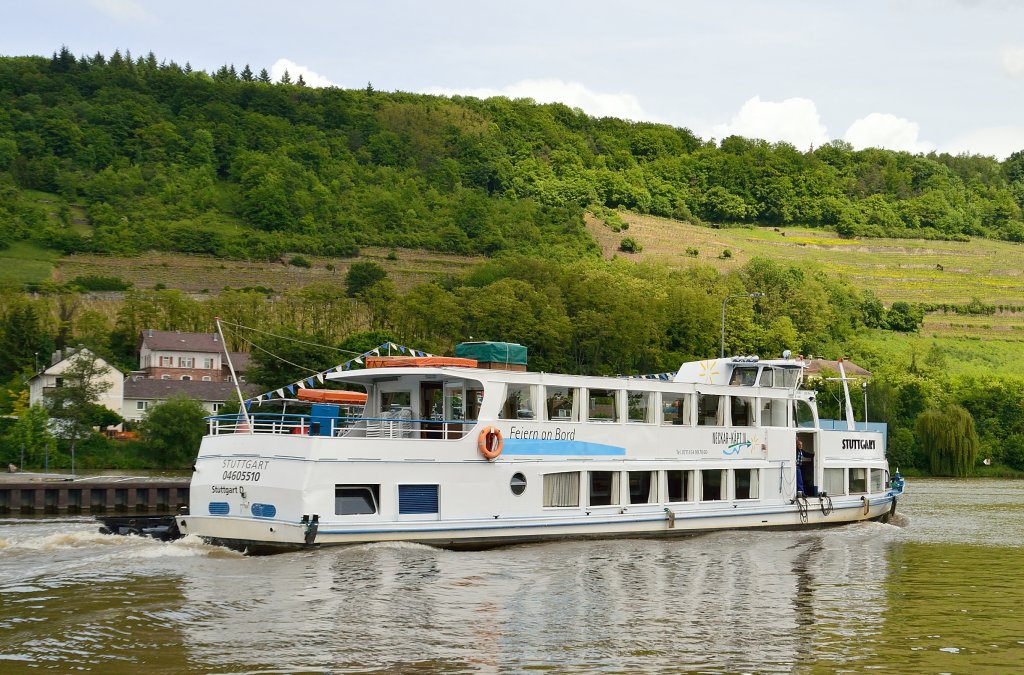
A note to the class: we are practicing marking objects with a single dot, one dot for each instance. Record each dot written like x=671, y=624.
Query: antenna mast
x=231, y=367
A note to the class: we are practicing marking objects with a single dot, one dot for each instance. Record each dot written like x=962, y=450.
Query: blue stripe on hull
x=515, y=446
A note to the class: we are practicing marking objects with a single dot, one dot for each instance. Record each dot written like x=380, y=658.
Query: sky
x=914, y=75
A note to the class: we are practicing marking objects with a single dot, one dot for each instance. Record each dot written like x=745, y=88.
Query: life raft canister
x=490, y=442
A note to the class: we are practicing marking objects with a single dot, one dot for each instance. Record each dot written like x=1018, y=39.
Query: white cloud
x=572, y=94
x=999, y=142
x=794, y=120
x=127, y=11
x=1013, y=62
x=311, y=78
x=882, y=130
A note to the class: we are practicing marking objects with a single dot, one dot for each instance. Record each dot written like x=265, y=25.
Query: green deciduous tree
x=949, y=439
x=31, y=436
x=172, y=431
x=74, y=404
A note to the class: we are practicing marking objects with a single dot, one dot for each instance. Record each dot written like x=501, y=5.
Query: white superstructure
x=712, y=447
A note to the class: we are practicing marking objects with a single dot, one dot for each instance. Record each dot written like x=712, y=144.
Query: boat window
x=356, y=500
x=562, y=403
x=773, y=412
x=748, y=483
x=602, y=406
x=675, y=408
x=803, y=414
x=391, y=401
x=743, y=376
x=517, y=484
x=680, y=485
x=604, y=488
x=742, y=411
x=640, y=405
x=643, y=487
x=858, y=481
x=518, y=403
x=474, y=399
x=834, y=482
x=417, y=499
x=877, y=480
x=562, y=489
x=766, y=377
x=454, y=402
x=787, y=377
x=712, y=484
x=708, y=410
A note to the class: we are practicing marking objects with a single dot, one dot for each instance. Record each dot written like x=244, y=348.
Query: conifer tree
x=300, y=82
x=247, y=73
x=264, y=76
x=286, y=78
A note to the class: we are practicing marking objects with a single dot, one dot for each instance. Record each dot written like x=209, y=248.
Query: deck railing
x=390, y=426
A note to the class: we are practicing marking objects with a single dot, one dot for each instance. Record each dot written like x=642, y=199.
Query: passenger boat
x=463, y=454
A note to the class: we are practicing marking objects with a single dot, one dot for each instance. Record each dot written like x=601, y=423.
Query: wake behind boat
x=474, y=453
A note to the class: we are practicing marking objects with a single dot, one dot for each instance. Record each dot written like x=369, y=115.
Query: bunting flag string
x=309, y=382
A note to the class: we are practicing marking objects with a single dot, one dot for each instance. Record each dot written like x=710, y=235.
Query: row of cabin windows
x=575, y=404
x=854, y=481
x=605, y=488
x=614, y=488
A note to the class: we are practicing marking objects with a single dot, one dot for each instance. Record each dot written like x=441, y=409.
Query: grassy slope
x=197, y=274
x=895, y=269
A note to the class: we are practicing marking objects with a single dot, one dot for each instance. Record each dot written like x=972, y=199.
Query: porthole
x=518, y=484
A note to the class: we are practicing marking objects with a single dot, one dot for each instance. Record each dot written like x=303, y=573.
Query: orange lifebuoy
x=490, y=442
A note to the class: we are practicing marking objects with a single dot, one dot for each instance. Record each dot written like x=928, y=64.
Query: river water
x=940, y=591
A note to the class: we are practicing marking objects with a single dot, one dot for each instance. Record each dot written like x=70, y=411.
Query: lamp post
x=724, y=303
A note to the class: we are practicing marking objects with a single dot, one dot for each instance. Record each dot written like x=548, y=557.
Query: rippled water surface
x=941, y=591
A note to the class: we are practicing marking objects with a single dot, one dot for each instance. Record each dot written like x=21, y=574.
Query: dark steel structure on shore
x=91, y=496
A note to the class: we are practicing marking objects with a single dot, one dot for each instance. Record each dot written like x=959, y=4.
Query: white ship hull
x=641, y=461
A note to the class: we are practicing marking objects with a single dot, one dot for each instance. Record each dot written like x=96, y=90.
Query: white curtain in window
x=754, y=483
x=562, y=489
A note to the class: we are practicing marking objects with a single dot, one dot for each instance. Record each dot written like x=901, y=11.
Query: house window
x=216, y=406
x=186, y=378
x=356, y=500
x=165, y=377
x=207, y=378
x=59, y=382
x=141, y=405
x=167, y=361
x=186, y=362
x=208, y=364
x=747, y=483
x=562, y=489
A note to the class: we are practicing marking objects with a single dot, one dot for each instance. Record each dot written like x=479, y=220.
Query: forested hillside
x=162, y=157
x=121, y=156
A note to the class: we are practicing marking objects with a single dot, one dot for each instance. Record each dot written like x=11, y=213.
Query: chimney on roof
x=55, y=358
